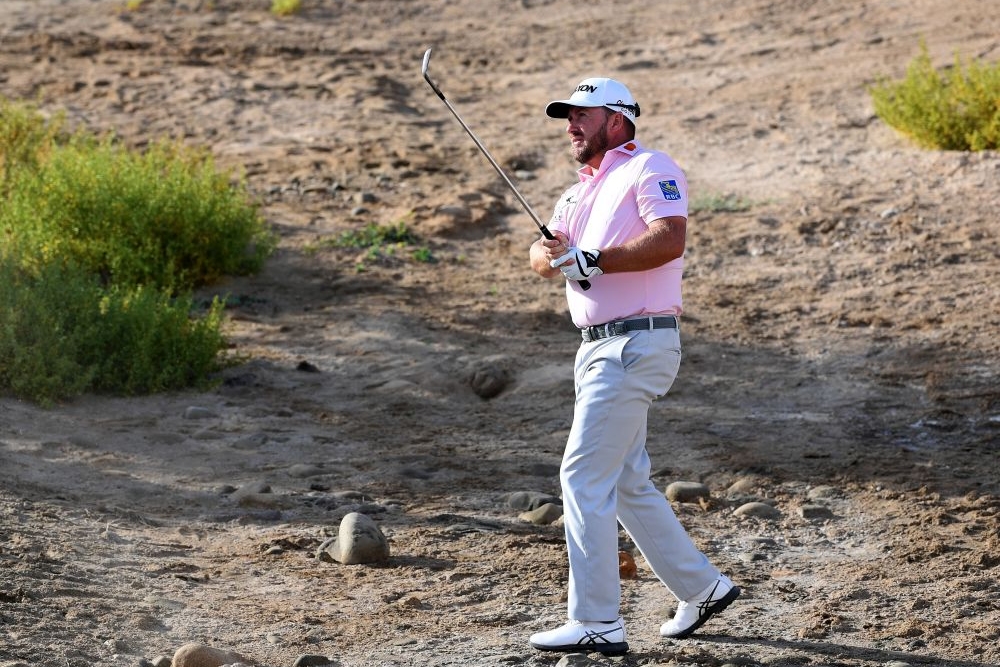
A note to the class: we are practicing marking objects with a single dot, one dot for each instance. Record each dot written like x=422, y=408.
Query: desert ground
x=841, y=356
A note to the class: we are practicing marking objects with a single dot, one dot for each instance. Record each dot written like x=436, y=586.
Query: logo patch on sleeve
x=670, y=190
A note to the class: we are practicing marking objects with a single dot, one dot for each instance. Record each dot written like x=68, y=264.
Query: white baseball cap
x=597, y=92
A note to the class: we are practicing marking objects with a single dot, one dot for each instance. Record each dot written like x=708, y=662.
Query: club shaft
x=585, y=284
x=527, y=207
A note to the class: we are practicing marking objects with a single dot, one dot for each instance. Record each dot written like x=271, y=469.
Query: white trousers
x=605, y=475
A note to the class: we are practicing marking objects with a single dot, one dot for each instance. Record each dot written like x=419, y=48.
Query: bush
x=25, y=137
x=62, y=333
x=100, y=248
x=165, y=218
x=285, y=7
x=955, y=110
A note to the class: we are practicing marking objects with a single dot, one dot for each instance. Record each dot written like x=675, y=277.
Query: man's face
x=588, y=131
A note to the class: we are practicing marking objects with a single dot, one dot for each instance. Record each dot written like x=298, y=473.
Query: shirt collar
x=628, y=149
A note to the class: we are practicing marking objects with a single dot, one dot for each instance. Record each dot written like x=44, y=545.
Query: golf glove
x=578, y=264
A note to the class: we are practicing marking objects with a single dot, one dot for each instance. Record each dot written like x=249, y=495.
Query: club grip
x=584, y=284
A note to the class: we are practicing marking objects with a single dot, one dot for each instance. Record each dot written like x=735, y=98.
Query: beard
x=596, y=145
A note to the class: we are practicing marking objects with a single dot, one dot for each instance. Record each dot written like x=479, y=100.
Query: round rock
x=530, y=500
x=758, y=510
x=359, y=541
x=687, y=492
x=543, y=515
x=200, y=655
x=488, y=381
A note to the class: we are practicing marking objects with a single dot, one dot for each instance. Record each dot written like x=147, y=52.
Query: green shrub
x=958, y=109
x=100, y=248
x=164, y=218
x=285, y=7
x=25, y=138
x=63, y=333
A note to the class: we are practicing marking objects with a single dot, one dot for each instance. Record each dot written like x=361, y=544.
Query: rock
x=162, y=661
x=411, y=602
x=576, y=660
x=752, y=557
x=200, y=655
x=307, y=660
x=167, y=438
x=358, y=541
x=758, y=510
x=195, y=412
x=741, y=486
x=303, y=470
x=815, y=512
x=687, y=492
x=488, y=381
x=530, y=500
x=543, y=515
x=252, y=441
x=254, y=488
x=823, y=493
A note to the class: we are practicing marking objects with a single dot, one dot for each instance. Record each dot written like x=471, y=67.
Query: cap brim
x=558, y=109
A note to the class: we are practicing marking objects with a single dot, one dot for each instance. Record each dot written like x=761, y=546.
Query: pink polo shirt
x=633, y=187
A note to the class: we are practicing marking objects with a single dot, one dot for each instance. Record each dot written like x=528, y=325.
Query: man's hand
x=578, y=264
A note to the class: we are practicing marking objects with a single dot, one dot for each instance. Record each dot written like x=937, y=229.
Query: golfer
x=622, y=228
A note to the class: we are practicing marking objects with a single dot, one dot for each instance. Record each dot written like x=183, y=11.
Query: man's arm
x=662, y=242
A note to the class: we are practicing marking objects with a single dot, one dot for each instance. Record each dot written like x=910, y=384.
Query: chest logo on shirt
x=670, y=190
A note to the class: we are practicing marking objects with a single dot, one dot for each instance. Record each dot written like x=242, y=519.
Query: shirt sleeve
x=661, y=190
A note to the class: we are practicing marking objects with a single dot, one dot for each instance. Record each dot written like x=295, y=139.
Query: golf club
x=584, y=284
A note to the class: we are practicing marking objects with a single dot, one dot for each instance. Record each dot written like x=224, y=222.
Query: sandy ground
x=841, y=350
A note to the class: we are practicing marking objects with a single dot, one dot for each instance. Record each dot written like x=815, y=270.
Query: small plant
x=424, y=255
x=958, y=109
x=375, y=236
x=133, y=5
x=285, y=7
x=379, y=242
x=719, y=203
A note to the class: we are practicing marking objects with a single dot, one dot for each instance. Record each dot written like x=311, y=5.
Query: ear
x=618, y=122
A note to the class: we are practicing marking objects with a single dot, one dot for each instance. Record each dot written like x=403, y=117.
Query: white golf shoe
x=693, y=612
x=583, y=637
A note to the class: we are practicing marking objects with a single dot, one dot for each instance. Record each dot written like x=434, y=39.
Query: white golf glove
x=578, y=264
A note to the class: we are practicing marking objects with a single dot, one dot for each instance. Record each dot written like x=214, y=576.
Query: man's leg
x=591, y=466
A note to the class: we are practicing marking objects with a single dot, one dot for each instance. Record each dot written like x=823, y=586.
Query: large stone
x=530, y=500
x=687, y=492
x=758, y=510
x=359, y=541
x=200, y=655
x=543, y=515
